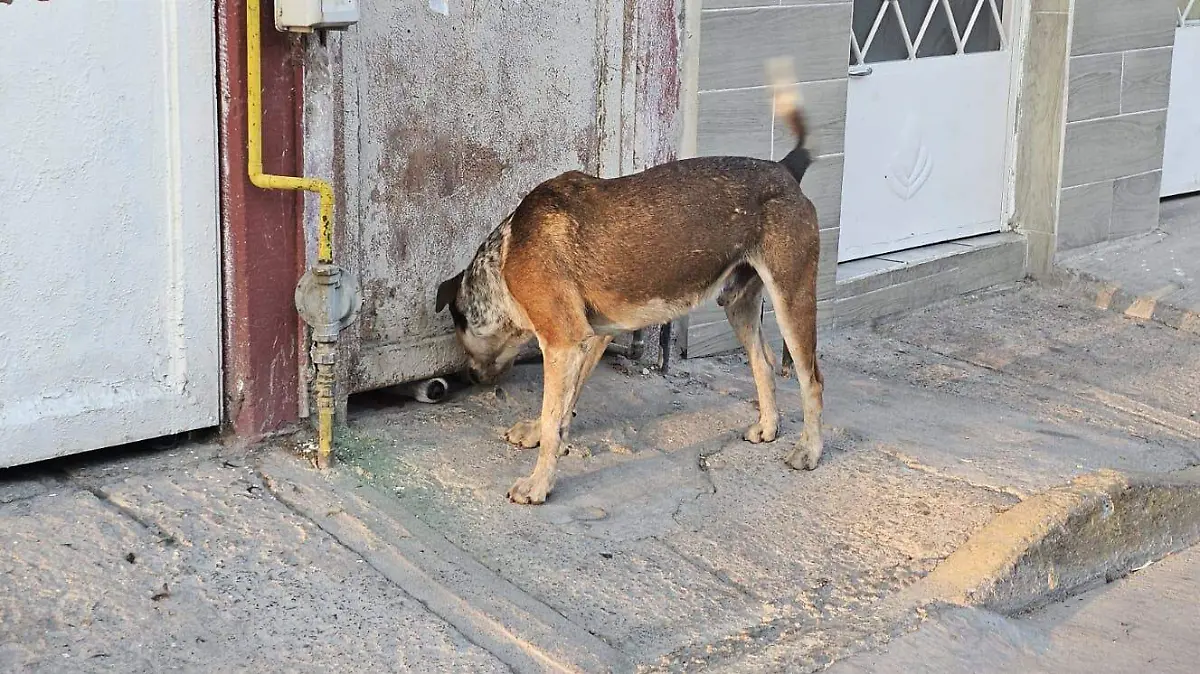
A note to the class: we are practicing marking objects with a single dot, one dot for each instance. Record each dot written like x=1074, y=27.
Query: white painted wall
x=109, y=259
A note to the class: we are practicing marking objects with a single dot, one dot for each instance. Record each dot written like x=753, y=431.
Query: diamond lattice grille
x=1189, y=13
x=898, y=30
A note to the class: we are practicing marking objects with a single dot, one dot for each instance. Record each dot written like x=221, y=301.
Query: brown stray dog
x=583, y=258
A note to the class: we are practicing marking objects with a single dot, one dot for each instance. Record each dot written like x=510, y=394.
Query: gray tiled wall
x=1118, y=79
x=734, y=113
x=734, y=110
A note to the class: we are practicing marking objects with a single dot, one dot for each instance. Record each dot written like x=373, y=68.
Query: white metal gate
x=926, y=124
x=109, y=263
x=1181, y=156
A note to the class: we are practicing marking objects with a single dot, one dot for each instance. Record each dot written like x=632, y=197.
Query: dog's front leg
x=562, y=370
x=528, y=433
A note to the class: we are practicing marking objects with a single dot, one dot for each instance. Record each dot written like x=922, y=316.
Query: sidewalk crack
x=165, y=537
x=915, y=464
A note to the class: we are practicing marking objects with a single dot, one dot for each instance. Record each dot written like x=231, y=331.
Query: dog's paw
x=806, y=455
x=525, y=434
x=529, y=490
x=802, y=459
x=760, y=433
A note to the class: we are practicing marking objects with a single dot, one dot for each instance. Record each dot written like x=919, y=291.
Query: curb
x=1069, y=539
x=1111, y=297
x=1061, y=542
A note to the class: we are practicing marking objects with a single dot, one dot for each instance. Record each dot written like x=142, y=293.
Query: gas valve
x=328, y=300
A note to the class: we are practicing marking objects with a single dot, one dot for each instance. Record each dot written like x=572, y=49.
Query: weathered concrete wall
x=434, y=126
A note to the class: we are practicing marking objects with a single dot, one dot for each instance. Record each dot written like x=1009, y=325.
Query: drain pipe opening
x=428, y=391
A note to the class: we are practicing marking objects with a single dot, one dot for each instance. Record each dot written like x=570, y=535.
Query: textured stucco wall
x=434, y=126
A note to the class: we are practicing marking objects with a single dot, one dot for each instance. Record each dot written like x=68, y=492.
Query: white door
x=1181, y=156
x=109, y=276
x=926, y=124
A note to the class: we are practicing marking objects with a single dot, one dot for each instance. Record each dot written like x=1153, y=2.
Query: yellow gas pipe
x=265, y=180
x=324, y=351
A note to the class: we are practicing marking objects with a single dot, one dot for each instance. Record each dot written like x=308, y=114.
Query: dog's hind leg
x=784, y=367
x=742, y=300
x=789, y=271
x=733, y=286
x=528, y=433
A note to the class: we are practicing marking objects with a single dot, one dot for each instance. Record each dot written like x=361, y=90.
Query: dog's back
x=667, y=236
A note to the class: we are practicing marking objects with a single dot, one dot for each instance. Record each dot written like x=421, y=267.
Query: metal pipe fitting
x=637, y=345
x=327, y=298
x=324, y=356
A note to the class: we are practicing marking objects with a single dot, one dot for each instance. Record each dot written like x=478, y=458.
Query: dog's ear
x=447, y=292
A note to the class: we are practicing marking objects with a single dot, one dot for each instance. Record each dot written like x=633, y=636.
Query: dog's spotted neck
x=484, y=298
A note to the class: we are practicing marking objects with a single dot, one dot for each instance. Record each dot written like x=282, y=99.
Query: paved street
x=1147, y=622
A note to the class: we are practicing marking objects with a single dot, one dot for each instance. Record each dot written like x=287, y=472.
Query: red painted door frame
x=263, y=245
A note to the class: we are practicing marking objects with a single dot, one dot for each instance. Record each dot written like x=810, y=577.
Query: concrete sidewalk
x=1156, y=275
x=180, y=559
x=683, y=547
x=668, y=543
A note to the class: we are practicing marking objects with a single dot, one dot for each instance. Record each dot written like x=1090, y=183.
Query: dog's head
x=488, y=335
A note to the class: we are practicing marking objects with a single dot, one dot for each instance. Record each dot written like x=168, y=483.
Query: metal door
x=1181, y=156
x=926, y=124
x=447, y=120
x=109, y=273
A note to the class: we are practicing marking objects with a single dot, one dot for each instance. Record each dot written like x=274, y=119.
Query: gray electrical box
x=305, y=16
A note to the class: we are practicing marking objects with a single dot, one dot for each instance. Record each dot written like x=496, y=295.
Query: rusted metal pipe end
x=324, y=356
x=664, y=343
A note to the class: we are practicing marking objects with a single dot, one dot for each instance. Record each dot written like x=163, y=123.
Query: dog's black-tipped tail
x=789, y=106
